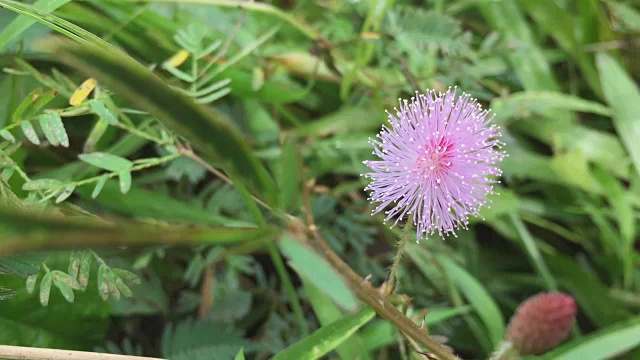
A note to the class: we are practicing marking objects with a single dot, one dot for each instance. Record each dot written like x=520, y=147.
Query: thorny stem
x=365, y=292
x=393, y=275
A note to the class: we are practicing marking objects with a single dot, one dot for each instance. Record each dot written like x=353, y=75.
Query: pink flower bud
x=542, y=322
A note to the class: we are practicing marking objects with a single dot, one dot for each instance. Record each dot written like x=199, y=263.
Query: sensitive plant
x=295, y=130
x=437, y=162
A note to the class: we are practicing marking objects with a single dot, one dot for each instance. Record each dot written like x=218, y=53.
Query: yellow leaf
x=83, y=91
x=177, y=59
x=369, y=36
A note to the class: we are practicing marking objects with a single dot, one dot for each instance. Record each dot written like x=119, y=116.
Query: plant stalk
x=393, y=275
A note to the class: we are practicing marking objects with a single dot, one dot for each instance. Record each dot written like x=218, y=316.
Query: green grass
x=223, y=167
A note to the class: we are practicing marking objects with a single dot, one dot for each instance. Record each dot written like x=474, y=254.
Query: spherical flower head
x=541, y=323
x=437, y=162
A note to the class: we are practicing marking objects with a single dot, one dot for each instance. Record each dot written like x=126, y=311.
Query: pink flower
x=541, y=323
x=436, y=162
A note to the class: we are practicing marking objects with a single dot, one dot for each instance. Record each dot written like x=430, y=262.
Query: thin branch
x=186, y=151
x=20, y=352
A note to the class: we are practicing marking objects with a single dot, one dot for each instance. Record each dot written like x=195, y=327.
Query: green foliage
x=327, y=337
x=191, y=339
x=417, y=31
x=217, y=129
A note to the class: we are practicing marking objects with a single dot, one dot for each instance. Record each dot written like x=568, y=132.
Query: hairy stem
x=393, y=275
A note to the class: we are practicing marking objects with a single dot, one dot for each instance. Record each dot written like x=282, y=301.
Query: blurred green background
x=162, y=212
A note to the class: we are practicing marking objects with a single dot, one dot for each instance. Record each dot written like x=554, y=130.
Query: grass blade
x=22, y=23
x=327, y=337
x=607, y=343
x=622, y=94
x=478, y=297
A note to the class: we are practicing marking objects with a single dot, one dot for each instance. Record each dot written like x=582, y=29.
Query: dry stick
x=206, y=292
x=367, y=293
x=20, y=352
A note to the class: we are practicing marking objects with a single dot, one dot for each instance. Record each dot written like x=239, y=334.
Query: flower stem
x=393, y=275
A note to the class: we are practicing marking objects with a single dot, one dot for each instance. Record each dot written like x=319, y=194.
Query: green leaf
x=123, y=288
x=22, y=23
x=113, y=287
x=344, y=120
x=57, y=127
x=60, y=25
x=25, y=104
x=477, y=296
x=106, y=161
x=66, y=192
x=25, y=322
x=574, y=169
x=207, y=129
x=327, y=312
x=290, y=177
x=45, y=289
x=85, y=269
x=628, y=17
x=31, y=283
x=607, y=343
x=190, y=339
x=7, y=173
x=531, y=247
x=622, y=94
x=313, y=267
x=525, y=103
x=619, y=201
x=101, y=110
x=30, y=132
x=5, y=134
x=64, y=289
x=240, y=355
x=47, y=129
x=42, y=100
x=145, y=203
x=327, y=337
x=69, y=232
x=125, y=181
x=74, y=264
x=561, y=25
x=21, y=265
x=99, y=129
x=103, y=282
x=127, y=275
x=99, y=185
x=42, y=184
x=66, y=279
x=528, y=60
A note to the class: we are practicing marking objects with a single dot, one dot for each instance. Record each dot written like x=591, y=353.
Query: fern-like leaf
x=417, y=30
